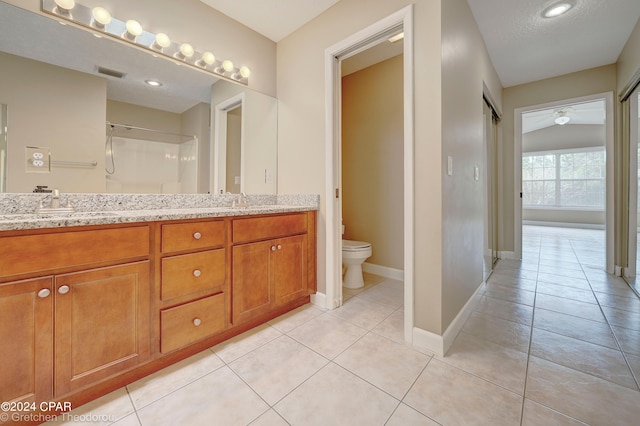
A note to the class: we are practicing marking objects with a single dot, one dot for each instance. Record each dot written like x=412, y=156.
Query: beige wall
x=590, y=217
x=564, y=137
x=583, y=83
x=205, y=28
x=301, y=129
x=372, y=160
x=195, y=121
x=139, y=116
x=466, y=67
x=36, y=94
x=629, y=59
x=450, y=58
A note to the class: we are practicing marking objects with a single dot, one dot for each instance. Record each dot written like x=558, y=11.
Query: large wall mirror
x=83, y=107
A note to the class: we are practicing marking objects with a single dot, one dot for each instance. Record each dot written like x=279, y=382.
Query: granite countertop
x=10, y=219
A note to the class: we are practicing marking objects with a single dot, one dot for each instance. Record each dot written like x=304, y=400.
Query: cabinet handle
x=197, y=273
x=273, y=248
x=279, y=247
x=197, y=321
x=44, y=293
x=197, y=235
x=63, y=289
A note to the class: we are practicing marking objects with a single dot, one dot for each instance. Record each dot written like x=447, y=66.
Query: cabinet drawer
x=193, y=235
x=43, y=252
x=191, y=273
x=190, y=322
x=262, y=228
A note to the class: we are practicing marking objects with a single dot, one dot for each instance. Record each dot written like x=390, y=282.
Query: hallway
x=569, y=331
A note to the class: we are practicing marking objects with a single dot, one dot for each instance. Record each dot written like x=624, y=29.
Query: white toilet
x=354, y=253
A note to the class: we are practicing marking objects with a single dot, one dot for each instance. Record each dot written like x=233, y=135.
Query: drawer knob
x=197, y=273
x=197, y=235
x=197, y=321
x=273, y=248
x=44, y=293
x=279, y=247
x=63, y=289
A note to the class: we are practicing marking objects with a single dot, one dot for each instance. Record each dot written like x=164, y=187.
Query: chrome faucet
x=242, y=201
x=55, y=199
x=54, y=205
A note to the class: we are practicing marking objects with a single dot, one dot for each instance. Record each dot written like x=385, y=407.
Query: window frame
x=557, y=153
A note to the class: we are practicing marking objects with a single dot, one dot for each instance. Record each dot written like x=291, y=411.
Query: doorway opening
x=401, y=21
x=372, y=168
x=564, y=174
x=227, y=155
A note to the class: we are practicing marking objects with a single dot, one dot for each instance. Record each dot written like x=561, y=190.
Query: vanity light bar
x=100, y=20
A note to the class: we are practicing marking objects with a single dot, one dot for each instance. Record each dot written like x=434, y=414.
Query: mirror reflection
x=87, y=100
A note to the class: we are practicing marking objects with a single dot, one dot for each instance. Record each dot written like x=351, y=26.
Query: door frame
x=350, y=46
x=609, y=150
x=634, y=140
x=218, y=154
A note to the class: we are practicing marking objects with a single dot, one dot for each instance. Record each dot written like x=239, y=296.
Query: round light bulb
x=227, y=66
x=208, y=58
x=163, y=40
x=186, y=50
x=101, y=15
x=65, y=5
x=245, y=72
x=134, y=28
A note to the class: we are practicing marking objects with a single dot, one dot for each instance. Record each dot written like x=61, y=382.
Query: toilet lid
x=350, y=245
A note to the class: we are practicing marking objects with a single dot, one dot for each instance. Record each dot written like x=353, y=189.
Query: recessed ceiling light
x=153, y=83
x=557, y=10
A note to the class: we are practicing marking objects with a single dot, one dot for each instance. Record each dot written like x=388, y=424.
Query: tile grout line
x=615, y=337
x=533, y=315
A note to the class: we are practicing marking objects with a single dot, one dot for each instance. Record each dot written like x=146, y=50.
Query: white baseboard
x=394, y=274
x=618, y=271
x=563, y=224
x=439, y=345
x=507, y=255
x=320, y=300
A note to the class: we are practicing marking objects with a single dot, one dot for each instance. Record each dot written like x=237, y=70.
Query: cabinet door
x=290, y=268
x=102, y=324
x=26, y=340
x=253, y=278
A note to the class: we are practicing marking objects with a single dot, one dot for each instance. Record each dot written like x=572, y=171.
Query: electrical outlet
x=237, y=180
x=38, y=159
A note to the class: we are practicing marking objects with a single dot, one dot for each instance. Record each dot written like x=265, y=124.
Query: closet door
x=632, y=106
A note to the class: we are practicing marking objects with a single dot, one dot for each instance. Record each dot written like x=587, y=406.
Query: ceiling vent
x=110, y=72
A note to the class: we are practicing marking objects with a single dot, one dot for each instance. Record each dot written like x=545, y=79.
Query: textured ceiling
x=275, y=19
x=526, y=47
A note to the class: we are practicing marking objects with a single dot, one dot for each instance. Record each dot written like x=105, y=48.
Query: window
x=567, y=178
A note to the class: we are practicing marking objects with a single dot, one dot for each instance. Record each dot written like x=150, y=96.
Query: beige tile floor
x=553, y=340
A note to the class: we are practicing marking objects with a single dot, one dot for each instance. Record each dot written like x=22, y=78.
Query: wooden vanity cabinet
x=84, y=319
x=87, y=310
x=101, y=324
x=270, y=263
x=26, y=336
x=194, y=294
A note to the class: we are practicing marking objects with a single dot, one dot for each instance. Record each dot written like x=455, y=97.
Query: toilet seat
x=350, y=245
